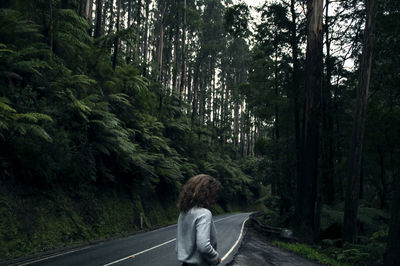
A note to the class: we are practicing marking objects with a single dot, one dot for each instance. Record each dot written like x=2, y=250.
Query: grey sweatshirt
x=196, y=241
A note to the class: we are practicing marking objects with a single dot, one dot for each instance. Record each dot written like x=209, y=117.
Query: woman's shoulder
x=200, y=210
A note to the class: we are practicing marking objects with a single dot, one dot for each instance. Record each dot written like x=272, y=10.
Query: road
x=149, y=248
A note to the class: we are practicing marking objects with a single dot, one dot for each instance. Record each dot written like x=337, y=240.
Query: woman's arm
x=203, y=243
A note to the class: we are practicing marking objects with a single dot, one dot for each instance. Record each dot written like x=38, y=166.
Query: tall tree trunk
x=296, y=89
x=111, y=25
x=352, y=192
x=242, y=133
x=235, y=116
x=353, y=186
x=116, y=40
x=307, y=188
x=51, y=29
x=276, y=170
x=327, y=122
x=163, y=7
x=195, y=92
x=89, y=15
x=99, y=7
x=183, y=58
x=138, y=20
x=145, y=41
x=176, y=46
x=168, y=61
x=128, y=47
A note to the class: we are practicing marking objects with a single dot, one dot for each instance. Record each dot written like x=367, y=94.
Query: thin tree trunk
x=111, y=25
x=90, y=13
x=145, y=41
x=195, y=93
x=163, y=8
x=99, y=6
x=128, y=47
x=327, y=122
x=116, y=40
x=296, y=90
x=242, y=133
x=276, y=170
x=51, y=29
x=183, y=60
x=138, y=20
x=176, y=45
x=307, y=188
x=352, y=192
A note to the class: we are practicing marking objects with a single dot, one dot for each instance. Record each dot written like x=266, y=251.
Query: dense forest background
x=107, y=107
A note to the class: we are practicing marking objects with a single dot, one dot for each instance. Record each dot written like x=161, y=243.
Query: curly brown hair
x=199, y=191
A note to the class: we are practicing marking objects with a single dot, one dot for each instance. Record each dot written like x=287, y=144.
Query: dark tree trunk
x=353, y=184
x=145, y=41
x=183, y=59
x=111, y=25
x=99, y=7
x=276, y=170
x=116, y=40
x=296, y=90
x=195, y=93
x=307, y=188
x=327, y=122
x=393, y=247
x=128, y=47
x=51, y=29
x=176, y=47
x=138, y=20
x=163, y=7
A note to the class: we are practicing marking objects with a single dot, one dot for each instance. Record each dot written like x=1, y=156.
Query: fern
x=32, y=117
x=121, y=98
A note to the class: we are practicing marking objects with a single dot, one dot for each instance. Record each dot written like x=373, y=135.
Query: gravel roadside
x=257, y=250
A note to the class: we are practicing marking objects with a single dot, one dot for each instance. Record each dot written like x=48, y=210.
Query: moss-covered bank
x=35, y=223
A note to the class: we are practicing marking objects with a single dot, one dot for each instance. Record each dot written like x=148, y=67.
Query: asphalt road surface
x=149, y=248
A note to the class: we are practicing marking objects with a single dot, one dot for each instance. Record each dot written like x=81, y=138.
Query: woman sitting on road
x=196, y=241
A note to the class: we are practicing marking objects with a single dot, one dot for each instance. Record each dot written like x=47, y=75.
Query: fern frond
x=32, y=117
x=120, y=98
x=6, y=108
x=40, y=132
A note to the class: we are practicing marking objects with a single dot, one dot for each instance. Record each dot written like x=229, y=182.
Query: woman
x=196, y=241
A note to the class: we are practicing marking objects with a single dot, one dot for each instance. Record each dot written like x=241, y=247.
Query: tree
x=98, y=27
x=307, y=188
x=116, y=40
x=352, y=192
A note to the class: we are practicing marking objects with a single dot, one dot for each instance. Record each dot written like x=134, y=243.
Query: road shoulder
x=257, y=249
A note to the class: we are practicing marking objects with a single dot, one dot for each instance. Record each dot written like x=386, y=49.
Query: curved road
x=150, y=248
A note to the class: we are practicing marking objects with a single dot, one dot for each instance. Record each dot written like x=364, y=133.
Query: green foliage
x=236, y=20
x=309, y=252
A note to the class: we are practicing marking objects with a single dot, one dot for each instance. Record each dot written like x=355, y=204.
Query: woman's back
x=196, y=237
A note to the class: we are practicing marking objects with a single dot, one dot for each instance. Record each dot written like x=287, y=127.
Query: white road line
x=172, y=240
x=54, y=256
x=141, y=252
x=236, y=243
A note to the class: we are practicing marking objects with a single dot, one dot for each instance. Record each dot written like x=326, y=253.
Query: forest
x=107, y=107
